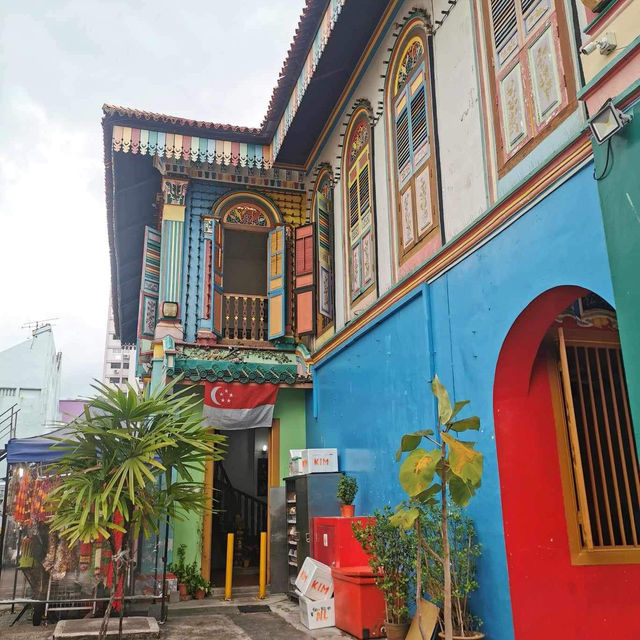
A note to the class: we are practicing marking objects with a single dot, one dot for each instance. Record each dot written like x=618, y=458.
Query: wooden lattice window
x=412, y=125
x=597, y=449
x=533, y=86
x=360, y=206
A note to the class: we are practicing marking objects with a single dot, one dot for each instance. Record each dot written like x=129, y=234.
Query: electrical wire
x=606, y=164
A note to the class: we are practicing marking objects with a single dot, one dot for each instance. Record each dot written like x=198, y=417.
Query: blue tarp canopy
x=37, y=448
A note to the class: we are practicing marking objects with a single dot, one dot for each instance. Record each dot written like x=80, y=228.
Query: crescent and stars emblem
x=224, y=398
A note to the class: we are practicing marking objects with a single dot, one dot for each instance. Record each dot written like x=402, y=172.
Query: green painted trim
x=244, y=372
x=606, y=10
x=595, y=81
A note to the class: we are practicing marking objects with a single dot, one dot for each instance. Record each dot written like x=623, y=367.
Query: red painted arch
x=550, y=597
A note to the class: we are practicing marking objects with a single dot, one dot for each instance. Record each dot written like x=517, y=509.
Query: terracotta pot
x=199, y=594
x=475, y=635
x=347, y=510
x=396, y=630
x=182, y=588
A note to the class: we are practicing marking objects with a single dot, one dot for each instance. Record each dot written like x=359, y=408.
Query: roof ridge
x=109, y=109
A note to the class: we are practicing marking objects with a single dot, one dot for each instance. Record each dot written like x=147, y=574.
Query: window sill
x=618, y=555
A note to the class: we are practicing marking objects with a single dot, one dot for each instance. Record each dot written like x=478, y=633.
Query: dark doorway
x=242, y=503
x=245, y=262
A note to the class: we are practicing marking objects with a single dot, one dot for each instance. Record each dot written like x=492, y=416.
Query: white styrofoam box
x=317, y=614
x=319, y=460
x=295, y=462
x=314, y=580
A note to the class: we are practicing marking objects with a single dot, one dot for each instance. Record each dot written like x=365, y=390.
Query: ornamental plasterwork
x=246, y=214
x=233, y=355
x=175, y=191
x=410, y=58
x=359, y=138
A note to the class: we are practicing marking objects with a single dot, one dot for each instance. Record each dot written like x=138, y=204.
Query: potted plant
x=391, y=558
x=451, y=472
x=199, y=586
x=180, y=569
x=464, y=549
x=346, y=493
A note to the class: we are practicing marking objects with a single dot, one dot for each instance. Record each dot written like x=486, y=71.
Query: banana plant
x=450, y=471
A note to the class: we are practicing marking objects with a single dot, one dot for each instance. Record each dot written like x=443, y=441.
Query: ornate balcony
x=244, y=318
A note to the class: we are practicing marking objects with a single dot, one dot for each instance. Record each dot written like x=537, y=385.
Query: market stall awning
x=42, y=448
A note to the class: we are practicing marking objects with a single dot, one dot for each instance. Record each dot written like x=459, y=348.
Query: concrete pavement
x=211, y=619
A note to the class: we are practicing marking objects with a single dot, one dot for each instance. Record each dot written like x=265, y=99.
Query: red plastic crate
x=334, y=543
x=359, y=603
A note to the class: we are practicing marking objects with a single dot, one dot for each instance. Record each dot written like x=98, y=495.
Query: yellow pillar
x=229, y=568
x=263, y=565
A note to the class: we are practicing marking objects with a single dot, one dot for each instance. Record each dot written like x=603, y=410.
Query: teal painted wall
x=619, y=191
x=290, y=410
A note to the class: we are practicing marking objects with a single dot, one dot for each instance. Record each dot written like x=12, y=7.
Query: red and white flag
x=239, y=406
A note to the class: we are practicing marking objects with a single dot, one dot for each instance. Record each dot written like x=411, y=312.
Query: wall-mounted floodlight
x=608, y=121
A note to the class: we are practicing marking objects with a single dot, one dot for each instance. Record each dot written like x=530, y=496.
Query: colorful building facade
x=443, y=210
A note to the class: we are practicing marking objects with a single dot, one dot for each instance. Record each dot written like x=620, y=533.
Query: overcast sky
x=59, y=62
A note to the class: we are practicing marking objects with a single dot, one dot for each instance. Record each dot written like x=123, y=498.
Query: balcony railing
x=245, y=317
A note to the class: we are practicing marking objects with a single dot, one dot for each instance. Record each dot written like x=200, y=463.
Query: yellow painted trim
x=173, y=212
x=401, y=56
x=417, y=82
x=158, y=351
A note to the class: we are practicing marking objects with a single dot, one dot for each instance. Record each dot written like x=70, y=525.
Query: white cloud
x=59, y=62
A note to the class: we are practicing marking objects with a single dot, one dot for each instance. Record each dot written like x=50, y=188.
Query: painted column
x=619, y=189
x=173, y=213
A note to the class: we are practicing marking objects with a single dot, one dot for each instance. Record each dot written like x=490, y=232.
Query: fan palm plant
x=130, y=463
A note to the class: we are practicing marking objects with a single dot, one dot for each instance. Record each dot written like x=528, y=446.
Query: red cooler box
x=334, y=543
x=359, y=603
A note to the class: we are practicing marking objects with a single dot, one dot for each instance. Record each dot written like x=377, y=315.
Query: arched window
x=411, y=121
x=323, y=213
x=244, y=260
x=359, y=205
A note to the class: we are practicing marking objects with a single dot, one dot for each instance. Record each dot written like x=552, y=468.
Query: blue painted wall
x=375, y=388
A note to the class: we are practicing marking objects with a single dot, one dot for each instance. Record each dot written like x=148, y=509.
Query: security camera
x=606, y=44
x=589, y=47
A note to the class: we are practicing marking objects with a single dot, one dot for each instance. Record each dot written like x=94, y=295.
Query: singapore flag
x=239, y=406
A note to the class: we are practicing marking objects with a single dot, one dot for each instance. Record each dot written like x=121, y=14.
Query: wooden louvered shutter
x=149, y=284
x=276, y=258
x=403, y=142
x=324, y=277
x=419, y=121
x=305, y=280
x=503, y=16
x=218, y=295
